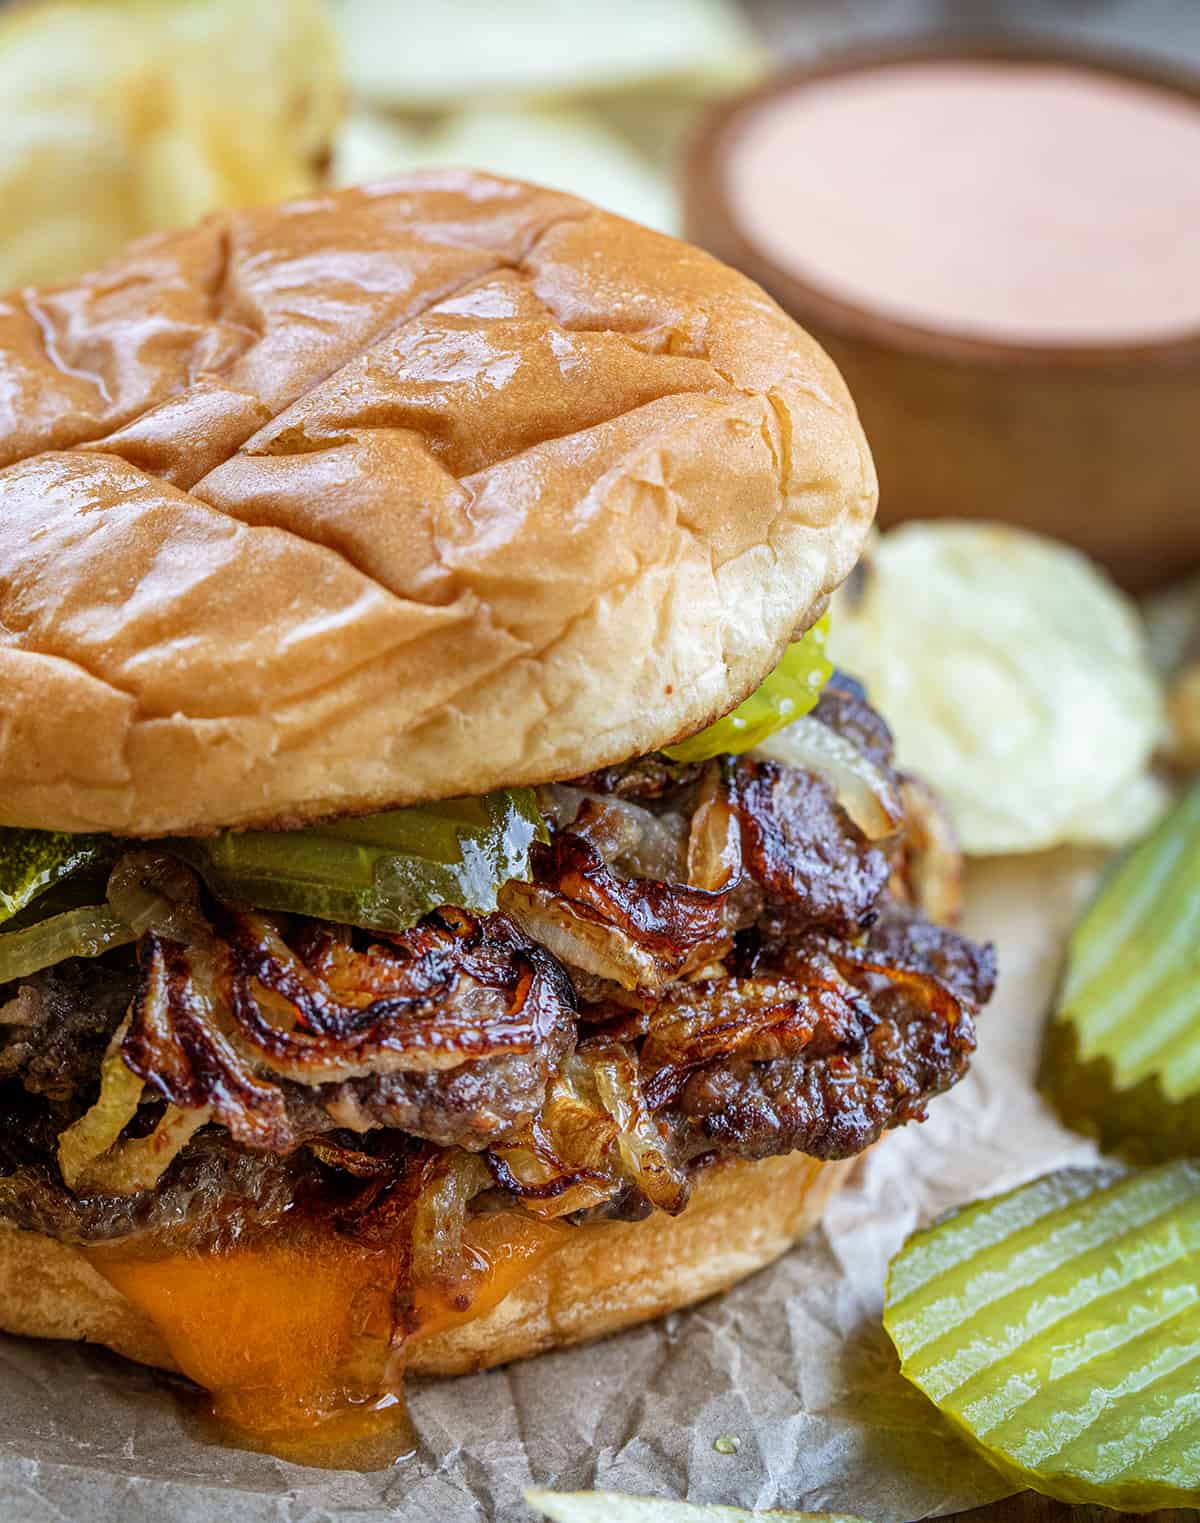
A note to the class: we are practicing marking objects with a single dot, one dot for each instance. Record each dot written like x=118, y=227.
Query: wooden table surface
x=1028, y=1507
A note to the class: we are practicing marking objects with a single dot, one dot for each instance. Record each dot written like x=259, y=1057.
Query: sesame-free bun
x=605, y=1277
x=395, y=494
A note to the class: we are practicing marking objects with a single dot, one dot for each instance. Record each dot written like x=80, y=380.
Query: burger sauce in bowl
x=999, y=245
x=1021, y=202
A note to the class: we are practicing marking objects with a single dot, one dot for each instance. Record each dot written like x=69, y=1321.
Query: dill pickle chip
x=383, y=871
x=1122, y=1051
x=32, y=861
x=791, y=690
x=614, y=1507
x=1058, y=1327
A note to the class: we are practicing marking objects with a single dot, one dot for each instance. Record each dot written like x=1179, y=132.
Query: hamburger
x=452, y=908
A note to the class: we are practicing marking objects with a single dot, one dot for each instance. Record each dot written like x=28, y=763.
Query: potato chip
x=473, y=50
x=123, y=118
x=612, y=1507
x=1016, y=678
x=569, y=149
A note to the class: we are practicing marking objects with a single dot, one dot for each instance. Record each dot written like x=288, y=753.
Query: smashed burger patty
x=611, y=1030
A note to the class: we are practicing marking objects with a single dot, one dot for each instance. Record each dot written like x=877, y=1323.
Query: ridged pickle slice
x=1058, y=1327
x=1122, y=1053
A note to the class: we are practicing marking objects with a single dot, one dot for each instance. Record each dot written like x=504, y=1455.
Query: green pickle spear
x=1122, y=1052
x=33, y=861
x=791, y=690
x=1058, y=1327
x=383, y=871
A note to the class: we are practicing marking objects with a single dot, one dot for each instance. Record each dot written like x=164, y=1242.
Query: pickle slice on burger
x=462, y=911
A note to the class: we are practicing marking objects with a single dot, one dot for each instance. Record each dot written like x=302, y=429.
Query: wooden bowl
x=1094, y=443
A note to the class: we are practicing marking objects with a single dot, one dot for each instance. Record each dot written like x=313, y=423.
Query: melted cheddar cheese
x=295, y=1336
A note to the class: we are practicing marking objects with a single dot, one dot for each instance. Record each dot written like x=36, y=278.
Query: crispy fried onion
x=182, y=1041
x=451, y=1179
x=634, y=840
x=863, y=788
x=453, y=988
x=93, y=1157
x=603, y=1142
x=714, y=846
x=594, y=1142
x=413, y=1199
x=929, y=870
x=822, y=999
x=640, y=933
x=218, y=1025
x=755, y=828
x=415, y=1203
x=799, y=849
x=774, y=1014
x=154, y=891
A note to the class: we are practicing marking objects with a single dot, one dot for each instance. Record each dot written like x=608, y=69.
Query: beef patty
x=710, y=960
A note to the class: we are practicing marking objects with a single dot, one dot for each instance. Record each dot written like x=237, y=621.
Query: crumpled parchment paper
x=794, y=1362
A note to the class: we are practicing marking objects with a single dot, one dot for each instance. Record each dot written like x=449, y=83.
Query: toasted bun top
x=394, y=494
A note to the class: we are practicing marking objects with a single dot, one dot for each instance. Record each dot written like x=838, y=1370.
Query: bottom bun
x=605, y=1277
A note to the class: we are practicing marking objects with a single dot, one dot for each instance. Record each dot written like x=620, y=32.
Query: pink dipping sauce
x=1021, y=202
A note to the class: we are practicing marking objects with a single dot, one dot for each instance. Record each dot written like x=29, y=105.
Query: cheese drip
x=299, y=1338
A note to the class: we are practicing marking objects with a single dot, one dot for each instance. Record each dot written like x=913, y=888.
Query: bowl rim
x=707, y=202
